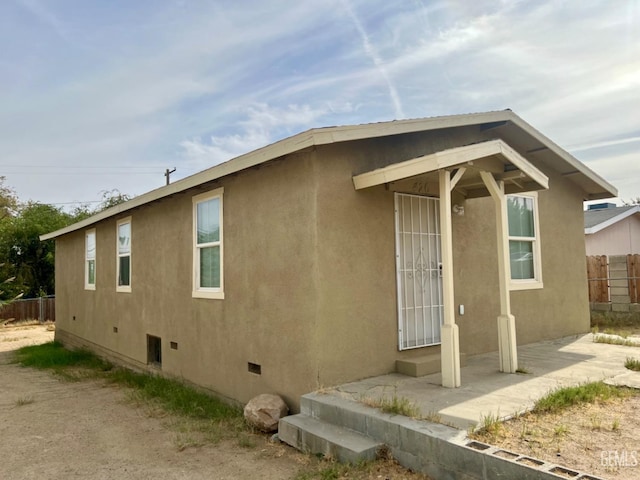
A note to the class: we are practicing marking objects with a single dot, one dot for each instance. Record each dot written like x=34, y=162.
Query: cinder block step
x=315, y=436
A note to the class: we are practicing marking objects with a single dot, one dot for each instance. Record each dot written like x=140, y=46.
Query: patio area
x=486, y=391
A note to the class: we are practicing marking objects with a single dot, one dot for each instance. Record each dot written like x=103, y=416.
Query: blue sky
x=96, y=95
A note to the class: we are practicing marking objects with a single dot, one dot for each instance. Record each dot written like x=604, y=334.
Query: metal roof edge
x=308, y=138
x=567, y=157
x=323, y=136
x=248, y=160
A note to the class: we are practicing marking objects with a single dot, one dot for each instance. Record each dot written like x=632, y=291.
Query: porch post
x=450, y=347
x=507, y=345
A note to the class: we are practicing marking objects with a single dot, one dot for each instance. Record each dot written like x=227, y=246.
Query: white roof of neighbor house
x=601, y=218
x=518, y=134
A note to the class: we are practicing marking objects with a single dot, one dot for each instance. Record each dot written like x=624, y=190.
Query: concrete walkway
x=485, y=391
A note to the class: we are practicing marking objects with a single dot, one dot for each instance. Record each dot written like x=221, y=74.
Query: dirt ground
x=601, y=439
x=56, y=429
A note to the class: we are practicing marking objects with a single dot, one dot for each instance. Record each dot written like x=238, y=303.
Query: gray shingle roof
x=593, y=218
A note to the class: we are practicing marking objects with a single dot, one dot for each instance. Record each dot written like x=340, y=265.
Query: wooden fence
x=598, y=275
x=633, y=271
x=606, y=282
x=42, y=309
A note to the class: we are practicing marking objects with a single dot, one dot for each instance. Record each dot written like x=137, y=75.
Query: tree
x=8, y=200
x=23, y=257
x=111, y=198
x=3, y=286
x=26, y=258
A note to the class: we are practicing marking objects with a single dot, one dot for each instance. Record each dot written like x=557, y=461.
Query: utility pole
x=167, y=173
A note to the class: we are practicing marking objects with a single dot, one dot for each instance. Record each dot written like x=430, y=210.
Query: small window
x=90, y=260
x=207, y=241
x=124, y=255
x=524, y=241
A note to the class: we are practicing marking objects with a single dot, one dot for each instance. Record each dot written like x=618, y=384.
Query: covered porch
x=490, y=168
x=486, y=392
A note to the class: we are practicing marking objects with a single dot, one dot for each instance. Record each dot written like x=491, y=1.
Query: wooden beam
x=507, y=345
x=450, y=347
x=456, y=177
x=447, y=159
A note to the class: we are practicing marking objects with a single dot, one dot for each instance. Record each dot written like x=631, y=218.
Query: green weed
x=615, y=341
x=615, y=425
x=153, y=391
x=54, y=356
x=596, y=422
x=329, y=469
x=632, y=364
x=22, y=401
x=394, y=405
x=490, y=425
x=615, y=331
x=434, y=417
x=175, y=397
x=562, y=398
x=560, y=430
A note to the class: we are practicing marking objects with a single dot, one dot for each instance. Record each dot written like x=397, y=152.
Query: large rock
x=264, y=412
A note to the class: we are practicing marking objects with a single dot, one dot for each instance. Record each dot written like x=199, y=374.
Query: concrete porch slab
x=486, y=391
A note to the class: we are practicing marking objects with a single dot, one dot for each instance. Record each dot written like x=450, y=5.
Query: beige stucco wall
x=310, y=284
x=621, y=238
x=559, y=309
x=270, y=307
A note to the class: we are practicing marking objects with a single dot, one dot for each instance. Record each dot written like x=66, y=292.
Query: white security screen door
x=418, y=269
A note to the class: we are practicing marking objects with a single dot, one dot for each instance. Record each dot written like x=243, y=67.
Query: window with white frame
x=524, y=241
x=208, y=277
x=90, y=260
x=123, y=266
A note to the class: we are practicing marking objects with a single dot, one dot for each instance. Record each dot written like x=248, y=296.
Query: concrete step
x=424, y=365
x=419, y=366
x=315, y=436
x=438, y=450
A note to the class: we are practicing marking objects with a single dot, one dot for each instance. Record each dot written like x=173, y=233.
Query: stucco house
x=611, y=230
x=338, y=254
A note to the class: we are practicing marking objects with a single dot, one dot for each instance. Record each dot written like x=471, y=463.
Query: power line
x=79, y=173
x=71, y=203
x=83, y=166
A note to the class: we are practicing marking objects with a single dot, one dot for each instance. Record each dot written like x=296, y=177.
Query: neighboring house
x=338, y=254
x=611, y=230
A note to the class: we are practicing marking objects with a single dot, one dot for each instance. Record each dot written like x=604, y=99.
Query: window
x=207, y=240
x=124, y=255
x=524, y=241
x=90, y=260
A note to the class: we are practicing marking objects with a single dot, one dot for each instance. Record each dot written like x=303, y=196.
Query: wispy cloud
x=263, y=125
x=608, y=143
x=190, y=84
x=377, y=61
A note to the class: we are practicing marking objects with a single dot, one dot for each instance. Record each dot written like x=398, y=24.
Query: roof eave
x=327, y=135
x=608, y=190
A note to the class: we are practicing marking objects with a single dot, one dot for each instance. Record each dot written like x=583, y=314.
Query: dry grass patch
x=394, y=405
x=580, y=428
x=328, y=469
x=22, y=401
